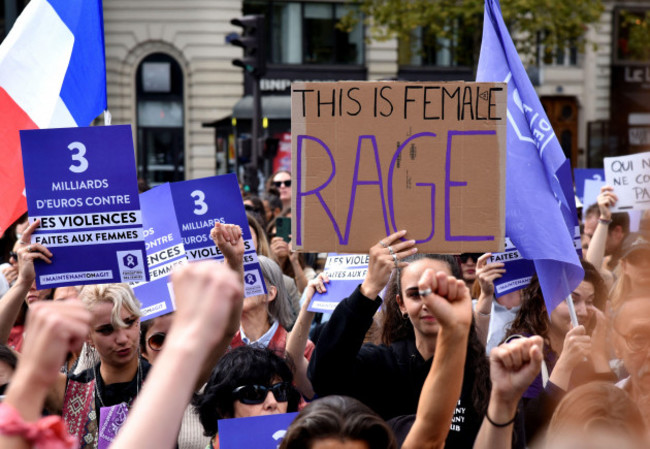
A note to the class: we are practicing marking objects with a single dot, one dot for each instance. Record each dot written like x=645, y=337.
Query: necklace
x=137, y=386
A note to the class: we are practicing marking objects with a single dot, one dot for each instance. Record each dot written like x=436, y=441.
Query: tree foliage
x=549, y=23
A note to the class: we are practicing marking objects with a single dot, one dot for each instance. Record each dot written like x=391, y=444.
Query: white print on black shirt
x=458, y=419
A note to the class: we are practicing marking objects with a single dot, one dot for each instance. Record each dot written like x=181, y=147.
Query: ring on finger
x=425, y=292
x=29, y=249
x=382, y=243
x=390, y=250
x=394, y=259
x=22, y=243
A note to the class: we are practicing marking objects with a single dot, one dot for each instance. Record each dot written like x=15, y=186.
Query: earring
x=405, y=316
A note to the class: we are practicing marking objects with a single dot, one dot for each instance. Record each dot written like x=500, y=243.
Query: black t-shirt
x=113, y=394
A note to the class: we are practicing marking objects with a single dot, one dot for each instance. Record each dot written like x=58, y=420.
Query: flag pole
x=572, y=311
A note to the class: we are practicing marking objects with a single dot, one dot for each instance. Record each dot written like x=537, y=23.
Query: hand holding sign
x=28, y=253
x=486, y=273
x=448, y=299
x=384, y=257
x=606, y=200
x=228, y=238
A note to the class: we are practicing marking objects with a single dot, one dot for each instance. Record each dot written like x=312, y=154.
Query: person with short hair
x=247, y=381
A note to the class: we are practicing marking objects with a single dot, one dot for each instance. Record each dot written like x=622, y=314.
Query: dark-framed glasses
x=279, y=184
x=256, y=394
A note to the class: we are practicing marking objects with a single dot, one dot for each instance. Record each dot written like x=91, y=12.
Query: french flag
x=52, y=75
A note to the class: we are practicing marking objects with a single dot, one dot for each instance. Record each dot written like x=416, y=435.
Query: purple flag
x=540, y=209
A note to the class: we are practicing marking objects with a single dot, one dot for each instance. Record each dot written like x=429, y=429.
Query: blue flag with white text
x=540, y=209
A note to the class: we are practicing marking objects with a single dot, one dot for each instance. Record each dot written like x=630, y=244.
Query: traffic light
x=252, y=40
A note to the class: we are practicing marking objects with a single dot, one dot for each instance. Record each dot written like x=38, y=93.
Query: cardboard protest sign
x=165, y=250
x=630, y=177
x=82, y=184
x=259, y=432
x=580, y=175
x=199, y=204
x=346, y=272
x=371, y=158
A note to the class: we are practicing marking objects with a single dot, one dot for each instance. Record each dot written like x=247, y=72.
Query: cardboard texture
x=370, y=158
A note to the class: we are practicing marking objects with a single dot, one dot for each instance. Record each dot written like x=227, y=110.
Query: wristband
x=506, y=424
x=605, y=222
x=47, y=433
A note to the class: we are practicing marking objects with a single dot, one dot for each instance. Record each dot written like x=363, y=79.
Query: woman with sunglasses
x=248, y=381
x=281, y=181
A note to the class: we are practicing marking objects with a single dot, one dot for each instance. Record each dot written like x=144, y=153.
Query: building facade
x=169, y=75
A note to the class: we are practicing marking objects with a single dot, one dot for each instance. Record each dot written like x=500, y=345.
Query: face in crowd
x=410, y=303
x=154, y=333
x=282, y=182
x=583, y=299
x=631, y=325
x=115, y=323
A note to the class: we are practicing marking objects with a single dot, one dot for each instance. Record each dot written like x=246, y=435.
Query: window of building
x=425, y=49
x=160, y=119
x=307, y=33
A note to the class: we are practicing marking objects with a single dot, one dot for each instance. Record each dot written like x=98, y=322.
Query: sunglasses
x=256, y=394
x=466, y=256
x=279, y=184
x=156, y=341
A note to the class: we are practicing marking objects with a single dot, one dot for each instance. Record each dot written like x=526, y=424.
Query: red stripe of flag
x=12, y=119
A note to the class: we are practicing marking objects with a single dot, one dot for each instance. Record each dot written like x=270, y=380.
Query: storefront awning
x=273, y=107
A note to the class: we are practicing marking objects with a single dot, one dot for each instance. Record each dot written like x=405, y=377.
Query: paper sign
x=371, y=158
x=519, y=271
x=346, y=272
x=165, y=250
x=259, y=432
x=82, y=184
x=199, y=204
x=591, y=192
x=630, y=177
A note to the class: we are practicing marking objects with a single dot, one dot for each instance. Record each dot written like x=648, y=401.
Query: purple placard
x=165, y=250
x=199, y=204
x=519, y=271
x=259, y=432
x=581, y=175
x=82, y=184
x=346, y=272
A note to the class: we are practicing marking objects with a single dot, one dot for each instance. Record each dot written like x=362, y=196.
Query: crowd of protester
x=422, y=354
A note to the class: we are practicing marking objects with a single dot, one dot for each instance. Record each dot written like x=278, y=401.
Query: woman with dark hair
x=572, y=355
x=565, y=348
x=248, y=381
x=336, y=419
x=389, y=377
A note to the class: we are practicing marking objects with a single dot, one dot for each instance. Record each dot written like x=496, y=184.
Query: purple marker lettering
x=300, y=194
x=391, y=208
x=356, y=182
x=449, y=184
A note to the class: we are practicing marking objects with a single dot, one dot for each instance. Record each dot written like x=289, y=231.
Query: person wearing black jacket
x=389, y=377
